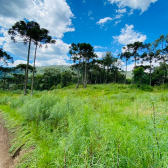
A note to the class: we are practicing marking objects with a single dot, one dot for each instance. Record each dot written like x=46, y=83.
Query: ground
x=5, y=159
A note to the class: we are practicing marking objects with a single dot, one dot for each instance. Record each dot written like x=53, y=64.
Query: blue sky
x=108, y=25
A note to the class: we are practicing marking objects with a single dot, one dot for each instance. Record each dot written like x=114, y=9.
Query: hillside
x=40, y=70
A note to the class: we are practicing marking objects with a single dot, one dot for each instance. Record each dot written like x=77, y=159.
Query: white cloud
x=83, y=1
x=55, y=53
x=142, y=5
x=128, y=35
x=104, y=20
x=131, y=12
x=118, y=21
x=100, y=54
x=99, y=47
x=121, y=10
x=17, y=62
x=54, y=15
x=130, y=67
x=118, y=16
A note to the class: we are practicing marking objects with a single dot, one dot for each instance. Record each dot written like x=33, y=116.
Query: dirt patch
x=5, y=160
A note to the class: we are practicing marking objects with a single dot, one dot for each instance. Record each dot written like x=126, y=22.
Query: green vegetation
x=112, y=125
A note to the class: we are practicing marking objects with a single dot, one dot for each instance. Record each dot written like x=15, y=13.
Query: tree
x=75, y=52
x=161, y=45
x=25, y=30
x=5, y=58
x=23, y=67
x=88, y=54
x=108, y=61
x=40, y=36
x=126, y=55
x=149, y=55
x=85, y=52
x=138, y=74
x=51, y=77
x=65, y=79
x=135, y=47
x=5, y=70
x=18, y=79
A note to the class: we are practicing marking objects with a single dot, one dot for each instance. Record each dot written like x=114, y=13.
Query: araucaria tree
x=25, y=30
x=85, y=52
x=76, y=55
x=108, y=60
x=135, y=48
x=126, y=56
x=40, y=36
x=161, y=45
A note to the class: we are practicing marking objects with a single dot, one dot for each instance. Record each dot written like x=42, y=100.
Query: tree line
x=87, y=68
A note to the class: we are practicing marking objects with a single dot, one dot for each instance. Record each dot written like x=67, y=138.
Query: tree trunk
x=85, y=76
x=4, y=81
x=106, y=75
x=33, y=71
x=26, y=77
x=126, y=72
x=135, y=61
x=150, y=71
x=78, y=78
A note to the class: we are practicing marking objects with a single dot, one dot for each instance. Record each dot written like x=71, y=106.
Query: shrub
x=146, y=88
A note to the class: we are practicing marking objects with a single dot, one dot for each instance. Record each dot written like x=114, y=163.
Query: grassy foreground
x=103, y=126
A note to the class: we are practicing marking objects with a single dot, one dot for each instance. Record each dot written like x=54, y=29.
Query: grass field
x=106, y=126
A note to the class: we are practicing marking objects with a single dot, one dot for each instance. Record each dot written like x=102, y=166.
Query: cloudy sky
x=108, y=25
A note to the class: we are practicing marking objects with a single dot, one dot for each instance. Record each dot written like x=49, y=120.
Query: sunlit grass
x=101, y=126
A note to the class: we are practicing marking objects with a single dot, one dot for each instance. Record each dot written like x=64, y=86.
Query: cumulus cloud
x=128, y=35
x=53, y=54
x=104, y=20
x=142, y=5
x=54, y=15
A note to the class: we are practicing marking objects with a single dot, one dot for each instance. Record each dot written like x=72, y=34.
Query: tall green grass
x=115, y=126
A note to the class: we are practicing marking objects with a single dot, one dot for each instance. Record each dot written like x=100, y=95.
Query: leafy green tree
x=23, y=67
x=65, y=79
x=5, y=70
x=138, y=74
x=27, y=31
x=5, y=58
x=51, y=77
x=18, y=79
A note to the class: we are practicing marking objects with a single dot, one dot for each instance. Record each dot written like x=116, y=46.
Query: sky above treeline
x=107, y=25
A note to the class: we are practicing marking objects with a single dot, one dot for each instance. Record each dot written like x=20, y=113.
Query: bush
x=146, y=88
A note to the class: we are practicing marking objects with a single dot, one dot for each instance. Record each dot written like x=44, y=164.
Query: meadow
x=102, y=126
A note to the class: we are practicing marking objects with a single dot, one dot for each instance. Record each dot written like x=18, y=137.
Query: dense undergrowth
x=106, y=126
